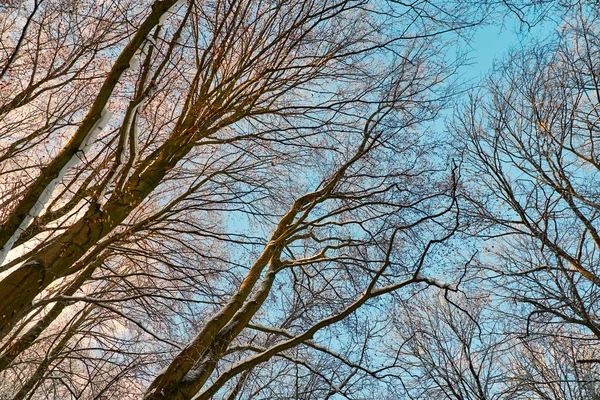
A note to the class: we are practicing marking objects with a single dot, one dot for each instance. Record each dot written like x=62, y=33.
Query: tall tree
x=530, y=145
x=197, y=195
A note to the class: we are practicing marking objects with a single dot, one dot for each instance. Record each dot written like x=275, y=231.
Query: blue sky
x=493, y=42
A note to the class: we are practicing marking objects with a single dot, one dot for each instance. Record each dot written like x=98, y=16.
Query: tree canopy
x=256, y=200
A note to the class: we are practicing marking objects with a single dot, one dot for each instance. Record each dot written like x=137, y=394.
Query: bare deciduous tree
x=531, y=140
x=199, y=196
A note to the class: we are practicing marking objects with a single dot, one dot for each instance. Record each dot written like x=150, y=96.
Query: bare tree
x=530, y=142
x=452, y=347
x=550, y=367
x=197, y=195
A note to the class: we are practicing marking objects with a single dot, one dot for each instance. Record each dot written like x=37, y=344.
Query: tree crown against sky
x=224, y=199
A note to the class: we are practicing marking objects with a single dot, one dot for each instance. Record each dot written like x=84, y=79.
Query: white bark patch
x=165, y=15
x=41, y=202
x=134, y=63
x=102, y=200
x=134, y=139
x=163, y=18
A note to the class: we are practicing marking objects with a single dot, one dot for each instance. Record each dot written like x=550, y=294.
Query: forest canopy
x=298, y=199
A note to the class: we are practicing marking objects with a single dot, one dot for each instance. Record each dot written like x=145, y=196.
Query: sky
x=493, y=42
